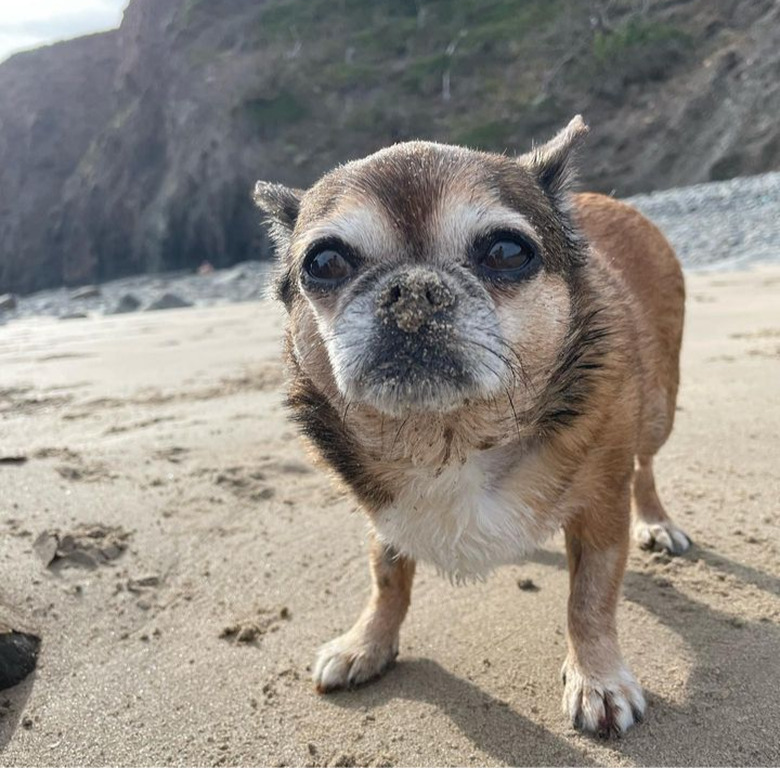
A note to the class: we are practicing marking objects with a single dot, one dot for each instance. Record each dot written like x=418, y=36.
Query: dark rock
x=74, y=316
x=128, y=303
x=85, y=292
x=8, y=301
x=18, y=656
x=168, y=301
x=13, y=460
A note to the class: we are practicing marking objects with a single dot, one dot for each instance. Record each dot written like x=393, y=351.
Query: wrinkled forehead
x=418, y=199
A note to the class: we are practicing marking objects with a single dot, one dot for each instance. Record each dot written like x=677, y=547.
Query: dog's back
x=634, y=249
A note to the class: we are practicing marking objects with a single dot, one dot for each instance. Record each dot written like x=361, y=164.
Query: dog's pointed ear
x=552, y=164
x=281, y=206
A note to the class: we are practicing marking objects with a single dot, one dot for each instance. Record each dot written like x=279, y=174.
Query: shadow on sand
x=490, y=724
x=731, y=692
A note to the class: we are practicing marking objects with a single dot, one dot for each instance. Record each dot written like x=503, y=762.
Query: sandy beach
x=207, y=560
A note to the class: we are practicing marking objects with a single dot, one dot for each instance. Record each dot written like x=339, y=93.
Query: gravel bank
x=717, y=225
x=722, y=224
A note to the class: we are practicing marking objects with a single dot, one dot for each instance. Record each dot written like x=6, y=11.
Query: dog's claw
x=606, y=707
x=349, y=661
x=662, y=537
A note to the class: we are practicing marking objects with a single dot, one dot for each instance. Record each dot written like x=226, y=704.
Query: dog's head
x=426, y=276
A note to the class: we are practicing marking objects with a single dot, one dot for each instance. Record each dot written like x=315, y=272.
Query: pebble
x=8, y=301
x=128, y=303
x=168, y=301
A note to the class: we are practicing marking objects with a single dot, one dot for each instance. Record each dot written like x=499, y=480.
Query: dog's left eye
x=327, y=268
x=508, y=256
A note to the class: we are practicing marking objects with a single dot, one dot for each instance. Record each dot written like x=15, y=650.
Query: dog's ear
x=552, y=164
x=281, y=206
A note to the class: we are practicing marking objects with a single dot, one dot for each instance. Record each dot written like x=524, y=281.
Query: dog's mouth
x=411, y=375
x=417, y=343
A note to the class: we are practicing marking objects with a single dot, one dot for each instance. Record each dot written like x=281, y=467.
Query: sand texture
x=163, y=530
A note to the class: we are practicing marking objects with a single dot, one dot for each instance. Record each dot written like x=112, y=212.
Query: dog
x=484, y=357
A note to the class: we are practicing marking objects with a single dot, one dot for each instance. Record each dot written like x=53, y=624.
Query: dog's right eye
x=327, y=268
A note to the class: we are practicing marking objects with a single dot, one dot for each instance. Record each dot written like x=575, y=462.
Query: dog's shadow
x=730, y=693
x=490, y=724
x=731, y=690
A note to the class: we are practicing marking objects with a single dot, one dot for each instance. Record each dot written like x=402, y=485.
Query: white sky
x=27, y=24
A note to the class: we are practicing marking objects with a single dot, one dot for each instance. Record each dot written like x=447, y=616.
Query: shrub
x=639, y=51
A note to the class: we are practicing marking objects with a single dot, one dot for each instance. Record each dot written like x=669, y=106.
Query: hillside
x=135, y=150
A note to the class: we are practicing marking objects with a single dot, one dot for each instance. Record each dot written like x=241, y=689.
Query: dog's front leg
x=371, y=645
x=601, y=695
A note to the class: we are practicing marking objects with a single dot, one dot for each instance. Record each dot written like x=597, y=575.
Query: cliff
x=136, y=150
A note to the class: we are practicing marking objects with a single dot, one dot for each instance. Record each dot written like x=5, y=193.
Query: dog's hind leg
x=653, y=528
x=369, y=648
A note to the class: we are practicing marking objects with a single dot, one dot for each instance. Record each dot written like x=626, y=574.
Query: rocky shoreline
x=246, y=281
x=722, y=224
x=712, y=226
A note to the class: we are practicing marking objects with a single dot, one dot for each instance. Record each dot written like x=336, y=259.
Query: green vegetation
x=608, y=48
x=640, y=50
x=390, y=70
x=276, y=112
x=189, y=9
x=386, y=55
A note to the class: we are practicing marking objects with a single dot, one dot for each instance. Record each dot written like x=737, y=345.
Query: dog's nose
x=411, y=298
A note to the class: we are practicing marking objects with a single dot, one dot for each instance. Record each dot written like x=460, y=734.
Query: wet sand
x=192, y=643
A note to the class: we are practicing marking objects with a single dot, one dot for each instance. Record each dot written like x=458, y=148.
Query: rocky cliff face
x=136, y=150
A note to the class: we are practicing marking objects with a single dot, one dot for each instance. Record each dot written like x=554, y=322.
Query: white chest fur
x=462, y=520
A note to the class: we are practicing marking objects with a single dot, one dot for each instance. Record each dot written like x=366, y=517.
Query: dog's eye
x=327, y=268
x=509, y=256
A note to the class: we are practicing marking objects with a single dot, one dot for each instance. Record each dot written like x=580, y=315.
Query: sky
x=26, y=24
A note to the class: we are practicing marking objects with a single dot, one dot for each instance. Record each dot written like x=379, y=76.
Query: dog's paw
x=350, y=660
x=605, y=706
x=662, y=537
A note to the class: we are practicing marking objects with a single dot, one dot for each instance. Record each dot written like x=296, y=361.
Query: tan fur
x=592, y=344
x=372, y=644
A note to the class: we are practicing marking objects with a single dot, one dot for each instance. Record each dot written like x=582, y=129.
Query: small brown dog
x=484, y=358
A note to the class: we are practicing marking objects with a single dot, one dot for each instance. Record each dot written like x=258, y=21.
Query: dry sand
x=193, y=645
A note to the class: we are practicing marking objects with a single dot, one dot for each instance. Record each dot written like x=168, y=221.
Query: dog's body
x=484, y=359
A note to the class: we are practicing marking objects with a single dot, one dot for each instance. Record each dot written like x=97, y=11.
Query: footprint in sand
x=85, y=473
x=246, y=483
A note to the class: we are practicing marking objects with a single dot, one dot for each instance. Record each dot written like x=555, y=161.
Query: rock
x=128, y=303
x=8, y=301
x=142, y=583
x=45, y=547
x=13, y=460
x=18, y=656
x=74, y=316
x=527, y=585
x=85, y=292
x=86, y=546
x=168, y=301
